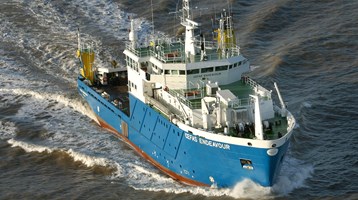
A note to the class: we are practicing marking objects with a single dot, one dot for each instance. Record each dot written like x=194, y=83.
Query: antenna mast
x=190, y=25
x=151, y=5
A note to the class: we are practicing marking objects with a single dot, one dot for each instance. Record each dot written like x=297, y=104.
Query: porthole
x=249, y=143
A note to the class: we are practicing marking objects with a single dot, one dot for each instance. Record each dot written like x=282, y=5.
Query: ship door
x=125, y=129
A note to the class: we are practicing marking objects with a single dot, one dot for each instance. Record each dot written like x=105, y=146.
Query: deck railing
x=254, y=84
x=175, y=53
x=185, y=101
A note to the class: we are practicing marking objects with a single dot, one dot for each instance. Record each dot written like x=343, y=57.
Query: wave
x=7, y=129
x=141, y=176
x=87, y=160
x=84, y=144
x=74, y=104
x=293, y=175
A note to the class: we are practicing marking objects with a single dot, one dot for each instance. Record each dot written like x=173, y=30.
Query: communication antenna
x=177, y=10
x=229, y=7
x=151, y=5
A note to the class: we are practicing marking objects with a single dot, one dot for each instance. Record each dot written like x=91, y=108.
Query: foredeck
x=278, y=125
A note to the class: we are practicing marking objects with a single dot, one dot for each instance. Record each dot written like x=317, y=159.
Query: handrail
x=174, y=55
x=254, y=84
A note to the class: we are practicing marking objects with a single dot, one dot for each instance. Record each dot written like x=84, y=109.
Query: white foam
x=250, y=190
x=141, y=176
x=87, y=160
x=293, y=175
x=75, y=104
x=28, y=147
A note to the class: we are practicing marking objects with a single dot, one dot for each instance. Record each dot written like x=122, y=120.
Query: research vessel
x=188, y=106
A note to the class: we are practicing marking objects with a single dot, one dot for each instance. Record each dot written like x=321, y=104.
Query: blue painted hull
x=181, y=154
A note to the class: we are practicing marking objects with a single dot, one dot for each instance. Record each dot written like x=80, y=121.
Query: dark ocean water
x=50, y=147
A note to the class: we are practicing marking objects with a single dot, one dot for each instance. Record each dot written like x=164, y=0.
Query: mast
x=78, y=44
x=133, y=35
x=78, y=39
x=258, y=124
x=151, y=5
x=283, y=106
x=190, y=25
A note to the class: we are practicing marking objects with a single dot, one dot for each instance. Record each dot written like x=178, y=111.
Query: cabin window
x=206, y=70
x=166, y=71
x=221, y=68
x=193, y=71
x=231, y=66
x=130, y=63
x=181, y=72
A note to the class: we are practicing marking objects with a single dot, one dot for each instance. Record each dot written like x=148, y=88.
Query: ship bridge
x=173, y=51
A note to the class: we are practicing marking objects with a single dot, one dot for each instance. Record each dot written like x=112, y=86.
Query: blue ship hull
x=183, y=156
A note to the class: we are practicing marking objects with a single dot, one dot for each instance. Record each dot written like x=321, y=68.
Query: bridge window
x=206, y=70
x=193, y=71
x=221, y=68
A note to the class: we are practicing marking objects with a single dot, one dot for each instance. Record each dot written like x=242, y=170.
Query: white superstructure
x=201, y=84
